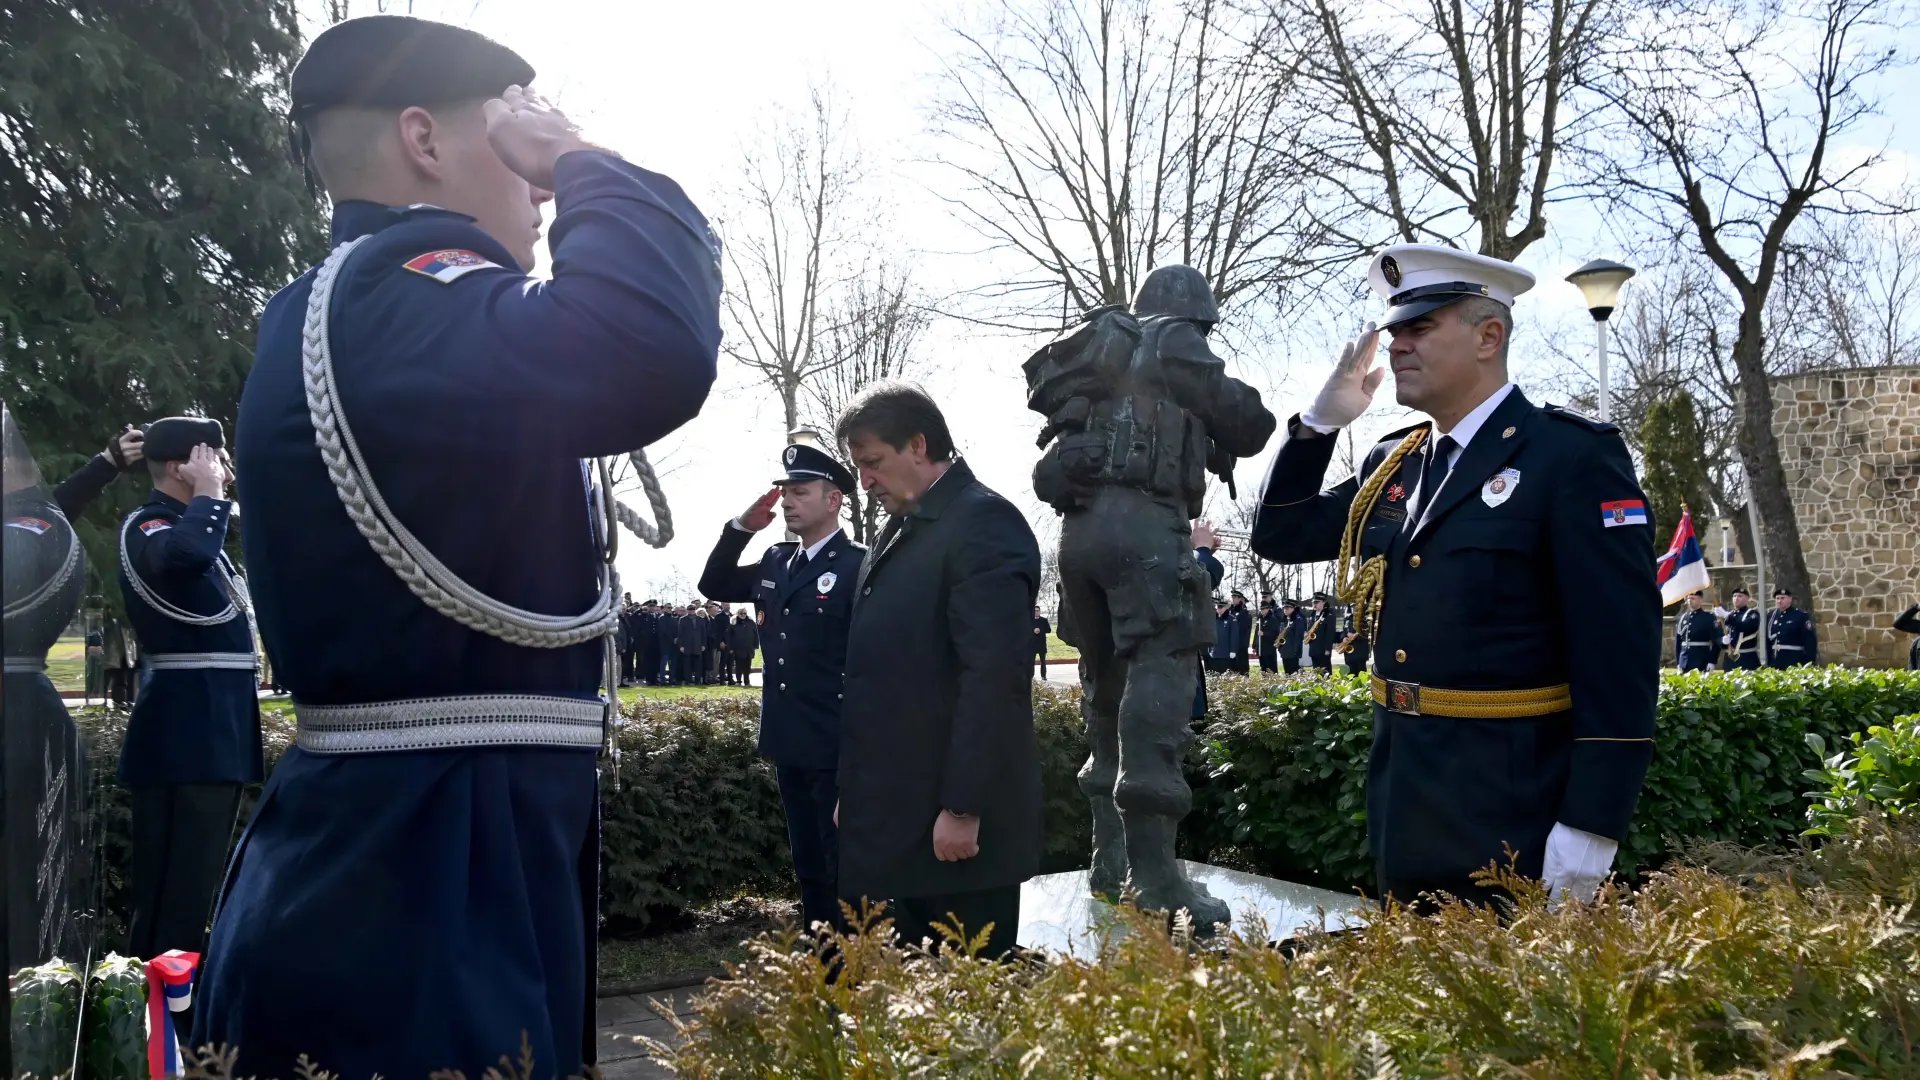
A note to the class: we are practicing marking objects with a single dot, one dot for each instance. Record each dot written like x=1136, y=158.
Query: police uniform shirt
x=476, y=391
x=1495, y=589
x=806, y=608
x=193, y=725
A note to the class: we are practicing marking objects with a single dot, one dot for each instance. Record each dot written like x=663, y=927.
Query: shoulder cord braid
x=423, y=573
x=234, y=592
x=53, y=585
x=1363, y=584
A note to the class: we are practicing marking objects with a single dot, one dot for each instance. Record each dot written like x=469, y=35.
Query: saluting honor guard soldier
x=1322, y=633
x=1508, y=712
x=1790, y=639
x=804, y=591
x=417, y=887
x=1696, y=636
x=194, y=737
x=1742, y=638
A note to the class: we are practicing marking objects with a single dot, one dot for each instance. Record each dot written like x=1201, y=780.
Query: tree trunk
x=1760, y=453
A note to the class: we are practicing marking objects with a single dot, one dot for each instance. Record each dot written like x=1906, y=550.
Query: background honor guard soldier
x=1204, y=542
x=194, y=737
x=417, y=888
x=1239, y=634
x=46, y=574
x=1041, y=630
x=1742, y=638
x=1293, y=636
x=743, y=640
x=1323, y=633
x=1696, y=636
x=1790, y=640
x=804, y=589
x=1270, y=624
x=1508, y=711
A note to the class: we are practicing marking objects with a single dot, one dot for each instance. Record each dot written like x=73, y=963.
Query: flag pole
x=1760, y=571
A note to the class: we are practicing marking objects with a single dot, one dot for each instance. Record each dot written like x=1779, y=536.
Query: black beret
x=174, y=438
x=393, y=61
x=805, y=463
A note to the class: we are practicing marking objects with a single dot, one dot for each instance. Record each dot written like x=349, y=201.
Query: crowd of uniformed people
x=419, y=879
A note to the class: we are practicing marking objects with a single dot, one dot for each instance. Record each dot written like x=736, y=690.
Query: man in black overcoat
x=939, y=772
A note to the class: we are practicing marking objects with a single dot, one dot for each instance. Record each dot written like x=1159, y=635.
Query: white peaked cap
x=1415, y=279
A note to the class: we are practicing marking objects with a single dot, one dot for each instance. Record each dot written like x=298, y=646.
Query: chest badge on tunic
x=826, y=582
x=1396, y=493
x=1499, y=488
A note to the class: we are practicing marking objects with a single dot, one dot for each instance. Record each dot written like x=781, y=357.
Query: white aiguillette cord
x=423, y=573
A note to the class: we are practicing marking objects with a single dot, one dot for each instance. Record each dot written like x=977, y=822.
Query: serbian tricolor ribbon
x=169, y=990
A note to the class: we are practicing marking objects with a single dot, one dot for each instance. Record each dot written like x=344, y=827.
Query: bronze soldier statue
x=1138, y=411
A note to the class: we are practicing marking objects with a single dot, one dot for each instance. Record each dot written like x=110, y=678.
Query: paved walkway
x=621, y=1018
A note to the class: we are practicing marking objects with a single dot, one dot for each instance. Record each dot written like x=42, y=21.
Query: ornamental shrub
x=1278, y=771
x=1695, y=975
x=1878, y=769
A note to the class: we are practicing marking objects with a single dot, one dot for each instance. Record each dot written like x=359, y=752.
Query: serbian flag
x=169, y=990
x=1682, y=571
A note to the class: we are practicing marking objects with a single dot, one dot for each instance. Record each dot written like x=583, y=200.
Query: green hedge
x=1806, y=970
x=1278, y=771
x=1877, y=770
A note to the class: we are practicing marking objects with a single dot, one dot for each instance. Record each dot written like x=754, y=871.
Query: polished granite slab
x=1057, y=913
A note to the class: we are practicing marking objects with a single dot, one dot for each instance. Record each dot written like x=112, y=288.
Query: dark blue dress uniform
x=194, y=737
x=408, y=910
x=1790, y=639
x=1743, y=639
x=806, y=606
x=1696, y=640
x=43, y=779
x=1502, y=703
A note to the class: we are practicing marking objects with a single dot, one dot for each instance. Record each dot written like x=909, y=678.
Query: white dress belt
x=451, y=723
x=200, y=661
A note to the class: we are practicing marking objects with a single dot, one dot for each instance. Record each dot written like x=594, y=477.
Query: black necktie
x=798, y=564
x=1434, y=473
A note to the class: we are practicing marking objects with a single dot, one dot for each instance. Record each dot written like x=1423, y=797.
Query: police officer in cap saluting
x=194, y=737
x=418, y=885
x=804, y=590
x=1509, y=713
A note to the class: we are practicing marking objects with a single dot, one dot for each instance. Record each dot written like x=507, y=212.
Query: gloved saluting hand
x=1349, y=390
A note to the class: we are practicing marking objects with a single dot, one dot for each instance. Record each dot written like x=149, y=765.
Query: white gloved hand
x=1349, y=390
x=1576, y=863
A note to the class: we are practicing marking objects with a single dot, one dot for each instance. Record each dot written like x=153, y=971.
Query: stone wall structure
x=1850, y=445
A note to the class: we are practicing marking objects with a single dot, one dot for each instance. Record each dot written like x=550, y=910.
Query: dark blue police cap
x=393, y=61
x=811, y=463
x=174, y=438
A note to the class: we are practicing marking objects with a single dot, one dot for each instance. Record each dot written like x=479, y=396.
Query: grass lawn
x=710, y=938
x=67, y=664
x=1060, y=650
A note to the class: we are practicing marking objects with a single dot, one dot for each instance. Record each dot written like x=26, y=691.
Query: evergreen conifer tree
x=1674, y=456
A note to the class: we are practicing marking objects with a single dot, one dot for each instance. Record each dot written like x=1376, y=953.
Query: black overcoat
x=939, y=697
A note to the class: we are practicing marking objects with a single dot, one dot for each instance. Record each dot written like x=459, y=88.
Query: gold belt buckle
x=1403, y=697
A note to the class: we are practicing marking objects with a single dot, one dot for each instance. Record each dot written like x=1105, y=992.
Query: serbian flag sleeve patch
x=1625, y=512
x=449, y=266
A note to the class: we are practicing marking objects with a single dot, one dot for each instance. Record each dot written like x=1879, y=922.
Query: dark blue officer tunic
x=1696, y=640
x=1790, y=639
x=1743, y=626
x=194, y=725
x=1494, y=590
x=803, y=651
x=407, y=912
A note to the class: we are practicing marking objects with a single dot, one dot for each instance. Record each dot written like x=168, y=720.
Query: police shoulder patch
x=449, y=265
x=1561, y=413
x=34, y=525
x=156, y=525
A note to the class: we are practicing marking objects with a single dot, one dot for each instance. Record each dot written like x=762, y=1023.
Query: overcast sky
x=680, y=88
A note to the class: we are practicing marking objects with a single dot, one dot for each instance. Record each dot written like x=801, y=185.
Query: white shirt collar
x=1470, y=424
x=814, y=551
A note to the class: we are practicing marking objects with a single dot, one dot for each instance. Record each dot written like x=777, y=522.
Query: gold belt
x=1416, y=700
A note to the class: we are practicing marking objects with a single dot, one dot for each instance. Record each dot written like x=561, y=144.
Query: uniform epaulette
x=1560, y=412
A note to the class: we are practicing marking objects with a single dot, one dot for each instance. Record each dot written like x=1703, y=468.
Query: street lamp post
x=1600, y=282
